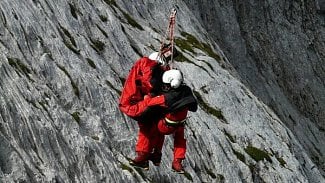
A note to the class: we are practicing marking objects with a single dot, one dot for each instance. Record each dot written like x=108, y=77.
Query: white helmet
x=155, y=56
x=173, y=77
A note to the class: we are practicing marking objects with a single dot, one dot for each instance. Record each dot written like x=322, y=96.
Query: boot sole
x=179, y=172
x=156, y=164
x=137, y=166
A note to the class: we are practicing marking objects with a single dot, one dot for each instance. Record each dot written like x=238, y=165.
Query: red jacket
x=137, y=85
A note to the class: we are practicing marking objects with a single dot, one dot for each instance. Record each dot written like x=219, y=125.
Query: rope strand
x=169, y=35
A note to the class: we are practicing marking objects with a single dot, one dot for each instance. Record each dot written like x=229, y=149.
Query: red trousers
x=151, y=136
x=149, y=139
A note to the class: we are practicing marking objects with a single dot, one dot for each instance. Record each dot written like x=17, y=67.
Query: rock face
x=283, y=42
x=259, y=79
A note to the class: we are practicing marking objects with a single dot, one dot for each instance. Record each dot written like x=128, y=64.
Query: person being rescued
x=180, y=100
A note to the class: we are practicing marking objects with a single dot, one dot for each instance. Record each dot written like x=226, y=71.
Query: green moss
x=95, y=137
x=75, y=89
x=71, y=47
x=239, y=155
x=70, y=42
x=126, y=167
x=76, y=116
x=191, y=42
x=103, y=18
x=182, y=58
x=91, y=63
x=210, y=51
x=183, y=44
x=131, y=21
x=111, y=2
x=221, y=178
x=188, y=176
x=257, y=154
x=210, y=172
x=282, y=162
x=251, y=167
x=43, y=104
x=97, y=45
x=139, y=170
x=190, y=38
x=208, y=109
x=16, y=63
x=67, y=33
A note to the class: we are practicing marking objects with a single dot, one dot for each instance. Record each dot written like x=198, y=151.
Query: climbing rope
x=171, y=31
x=169, y=35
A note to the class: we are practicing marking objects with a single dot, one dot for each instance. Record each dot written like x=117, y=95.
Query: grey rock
x=257, y=69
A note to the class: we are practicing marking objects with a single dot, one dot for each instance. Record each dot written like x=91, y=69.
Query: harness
x=174, y=123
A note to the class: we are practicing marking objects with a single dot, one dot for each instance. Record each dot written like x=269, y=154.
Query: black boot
x=141, y=160
x=155, y=158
